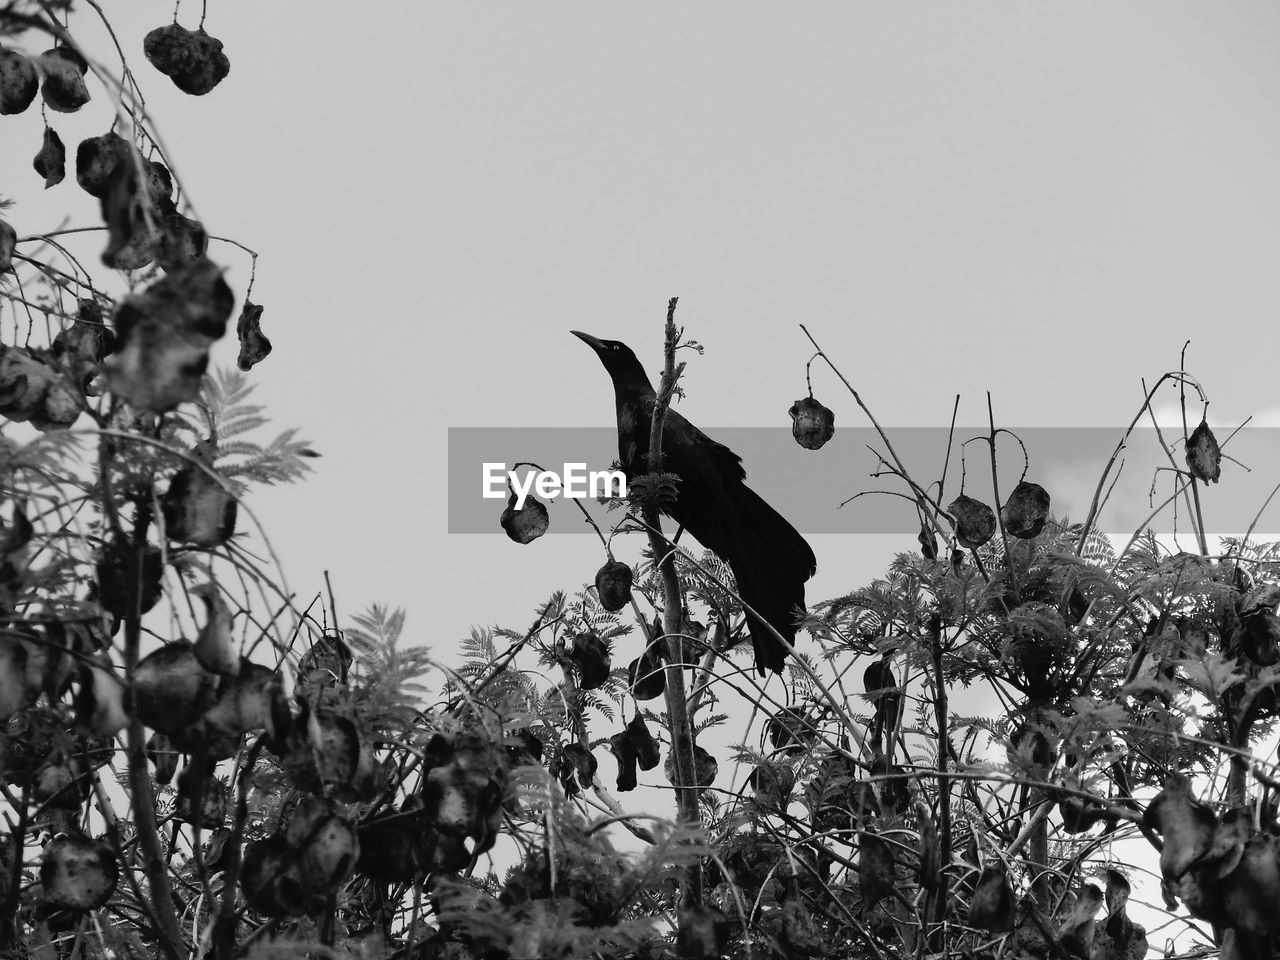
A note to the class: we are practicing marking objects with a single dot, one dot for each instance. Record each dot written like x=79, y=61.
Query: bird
x=770, y=560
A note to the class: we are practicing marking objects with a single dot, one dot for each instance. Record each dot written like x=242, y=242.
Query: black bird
x=769, y=559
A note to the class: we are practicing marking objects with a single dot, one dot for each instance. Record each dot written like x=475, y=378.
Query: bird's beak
x=592, y=342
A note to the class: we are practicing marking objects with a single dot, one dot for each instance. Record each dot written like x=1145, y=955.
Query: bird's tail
x=771, y=562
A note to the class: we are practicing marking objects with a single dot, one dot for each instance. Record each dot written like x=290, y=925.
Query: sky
x=1040, y=200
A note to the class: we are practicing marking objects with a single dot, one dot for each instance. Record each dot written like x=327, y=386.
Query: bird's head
x=622, y=364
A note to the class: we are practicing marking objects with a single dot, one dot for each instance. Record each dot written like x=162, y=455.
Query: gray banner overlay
x=808, y=486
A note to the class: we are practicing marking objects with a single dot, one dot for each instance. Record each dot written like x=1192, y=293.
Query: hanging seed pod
x=202, y=798
x=975, y=521
x=64, y=88
x=395, y=848
x=1119, y=938
x=77, y=873
x=192, y=59
x=8, y=240
x=165, y=334
x=61, y=782
x=268, y=878
x=326, y=844
x=326, y=663
x=705, y=767
x=99, y=703
x=1252, y=891
x=704, y=933
x=591, y=656
x=161, y=752
x=18, y=82
x=613, y=585
x=119, y=576
x=1026, y=511
x=1204, y=458
x=181, y=241
x=575, y=768
x=894, y=792
x=254, y=345
x=876, y=868
x=928, y=543
x=197, y=508
x=159, y=185
x=98, y=159
x=51, y=161
x=646, y=675
x=526, y=524
x=624, y=753
x=25, y=377
x=642, y=742
x=991, y=907
x=1077, y=931
x=14, y=693
x=132, y=236
x=1186, y=825
x=171, y=688
x=791, y=729
x=251, y=700
x=772, y=783
x=214, y=646
x=812, y=424
x=1080, y=815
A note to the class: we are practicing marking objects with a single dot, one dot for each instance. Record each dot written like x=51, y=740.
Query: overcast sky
x=1043, y=200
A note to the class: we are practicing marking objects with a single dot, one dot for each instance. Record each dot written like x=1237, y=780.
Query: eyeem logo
x=574, y=483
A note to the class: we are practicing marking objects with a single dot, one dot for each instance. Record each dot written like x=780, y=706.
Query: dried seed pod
x=1251, y=891
x=192, y=59
x=991, y=907
x=801, y=933
x=704, y=933
x=326, y=844
x=18, y=82
x=1080, y=815
x=202, y=797
x=159, y=184
x=526, y=524
x=8, y=240
x=14, y=694
x=98, y=159
x=25, y=378
x=132, y=236
x=51, y=161
x=254, y=345
x=642, y=742
x=877, y=875
x=60, y=782
x=1026, y=511
x=327, y=662
x=1119, y=938
x=975, y=521
x=77, y=873
x=646, y=675
x=705, y=767
x=99, y=703
x=1076, y=932
x=269, y=880
x=928, y=543
x=613, y=585
x=790, y=729
x=1204, y=458
x=64, y=88
x=574, y=768
x=590, y=655
x=251, y=700
x=181, y=240
x=118, y=578
x=171, y=688
x=197, y=508
x=396, y=848
x=165, y=334
x=812, y=424
x=624, y=753
x=162, y=753
x=1186, y=825
x=772, y=783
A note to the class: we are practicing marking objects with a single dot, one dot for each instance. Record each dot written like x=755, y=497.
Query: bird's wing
x=689, y=452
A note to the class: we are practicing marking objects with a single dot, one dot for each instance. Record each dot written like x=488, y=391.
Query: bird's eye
x=614, y=347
